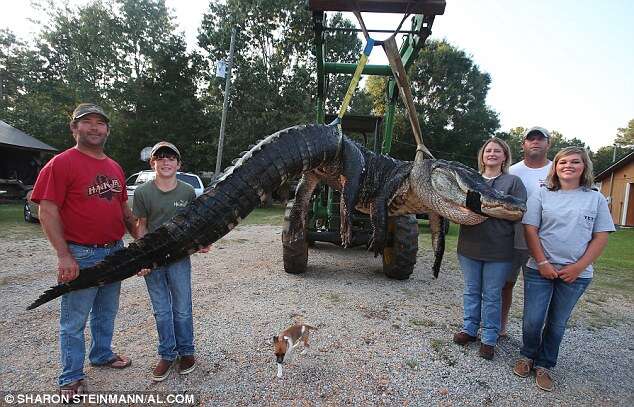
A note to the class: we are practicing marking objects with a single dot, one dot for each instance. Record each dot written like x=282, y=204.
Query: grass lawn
x=12, y=224
x=266, y=216
x=614, y=269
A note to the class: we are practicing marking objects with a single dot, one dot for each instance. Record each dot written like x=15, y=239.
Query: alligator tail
x=261, y=170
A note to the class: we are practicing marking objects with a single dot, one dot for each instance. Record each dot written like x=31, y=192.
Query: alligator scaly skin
x=280, y=156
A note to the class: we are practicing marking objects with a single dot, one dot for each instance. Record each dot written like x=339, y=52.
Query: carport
x=21, y=157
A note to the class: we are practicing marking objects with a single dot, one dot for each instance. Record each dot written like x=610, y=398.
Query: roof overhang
x=14, y=138
x=617, y=165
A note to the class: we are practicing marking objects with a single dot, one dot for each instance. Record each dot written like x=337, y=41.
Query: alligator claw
x=376, y=245
x=346, y=233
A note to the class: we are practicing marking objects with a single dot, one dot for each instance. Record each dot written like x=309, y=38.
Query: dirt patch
x=379, y=341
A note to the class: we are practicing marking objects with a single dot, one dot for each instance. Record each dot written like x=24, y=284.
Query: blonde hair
x=507, y=152
x=587, y=177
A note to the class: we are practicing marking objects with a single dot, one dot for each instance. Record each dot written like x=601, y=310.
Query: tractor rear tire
x=399, y=255
x=295, y=254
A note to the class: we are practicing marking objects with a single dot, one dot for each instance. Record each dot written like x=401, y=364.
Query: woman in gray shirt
x=485, y=252
x=566, y=228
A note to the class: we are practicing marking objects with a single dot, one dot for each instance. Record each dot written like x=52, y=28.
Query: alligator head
x=459, y=193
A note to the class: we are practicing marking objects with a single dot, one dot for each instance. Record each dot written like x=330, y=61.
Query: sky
x=567, y=65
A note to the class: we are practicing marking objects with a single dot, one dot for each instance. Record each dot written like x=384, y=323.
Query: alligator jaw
x=502, y=211
x=491, y=208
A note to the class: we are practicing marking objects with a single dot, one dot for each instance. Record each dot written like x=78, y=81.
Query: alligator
x=381, y=186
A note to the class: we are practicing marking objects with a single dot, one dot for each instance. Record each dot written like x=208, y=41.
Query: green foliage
x=602, y=159
x=449, y=92
x=124, y=55
x=514, y=138
x=274, y=82
x=127, y=56
x=625, y=135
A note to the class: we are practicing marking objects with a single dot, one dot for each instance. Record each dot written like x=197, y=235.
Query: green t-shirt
x=159, y=206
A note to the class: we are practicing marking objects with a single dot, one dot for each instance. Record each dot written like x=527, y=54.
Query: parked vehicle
x=31, y=209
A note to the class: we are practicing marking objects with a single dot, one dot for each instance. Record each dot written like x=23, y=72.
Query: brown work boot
x=463, y=338
x=543, y=380
x=523, y=367
x=187, y=364
x=162, y=370
x=487, y=351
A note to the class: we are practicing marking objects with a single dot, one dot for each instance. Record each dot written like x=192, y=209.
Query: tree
x=625, y=136
x=123, y=55
x=274, y=82
x=559, y=142
x=602, y=159
x=449, y=92
x=515, y=138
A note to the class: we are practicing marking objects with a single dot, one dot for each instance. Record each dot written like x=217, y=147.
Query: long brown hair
x=507, y=152
x=587, y=176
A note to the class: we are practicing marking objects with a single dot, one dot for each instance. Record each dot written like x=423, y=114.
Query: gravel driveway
x=379, y=342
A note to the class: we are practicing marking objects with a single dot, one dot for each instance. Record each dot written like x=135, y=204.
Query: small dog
x=288, y=340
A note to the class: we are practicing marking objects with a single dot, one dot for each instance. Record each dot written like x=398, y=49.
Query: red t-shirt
x=89, y=193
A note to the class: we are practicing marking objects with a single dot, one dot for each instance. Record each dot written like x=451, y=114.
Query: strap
x=400, y=75
x=363, y=59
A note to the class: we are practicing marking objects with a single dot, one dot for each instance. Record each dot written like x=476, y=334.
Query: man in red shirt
x=84, y=214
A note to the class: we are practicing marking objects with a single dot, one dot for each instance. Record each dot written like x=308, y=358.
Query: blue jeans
x=101, y=304
x=170, y=289
x=548, y=305
x=483, y=282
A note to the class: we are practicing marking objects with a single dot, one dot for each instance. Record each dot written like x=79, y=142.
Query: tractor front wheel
x=399, y=254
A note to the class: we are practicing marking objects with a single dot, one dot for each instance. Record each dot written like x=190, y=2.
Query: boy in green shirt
x=169, y=286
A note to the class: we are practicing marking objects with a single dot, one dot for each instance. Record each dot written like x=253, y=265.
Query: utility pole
x=1, y=92
x=225, y=105
x=614, y=153
x=612, y=181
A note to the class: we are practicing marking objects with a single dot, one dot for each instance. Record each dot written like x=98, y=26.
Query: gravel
x=380, y=341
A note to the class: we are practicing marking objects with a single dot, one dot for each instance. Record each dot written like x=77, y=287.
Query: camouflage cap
x=167, y=145
x=88, y=108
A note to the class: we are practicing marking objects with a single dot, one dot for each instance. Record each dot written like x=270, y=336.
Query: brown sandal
x=117, y=362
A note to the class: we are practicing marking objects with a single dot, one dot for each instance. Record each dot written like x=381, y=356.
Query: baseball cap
x=87, y=108
x=165, y=144
x=539, y=130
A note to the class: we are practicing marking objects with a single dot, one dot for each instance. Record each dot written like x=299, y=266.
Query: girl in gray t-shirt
x=566, y=228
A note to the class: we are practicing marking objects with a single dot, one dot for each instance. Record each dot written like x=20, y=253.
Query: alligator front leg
x=437, y=226
x=299, y=212
x=379, y=209
x=294, y=242
x=350, y=180
x=378, y=218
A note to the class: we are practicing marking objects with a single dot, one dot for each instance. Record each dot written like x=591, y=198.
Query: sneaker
x=463, y=338
x=187, y=364
x=487, y=351
x=523, y=367
x=162, y=370
x=543, y=380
